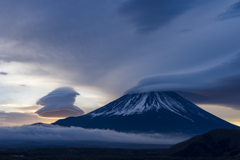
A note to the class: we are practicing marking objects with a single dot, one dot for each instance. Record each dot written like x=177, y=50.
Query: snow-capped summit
x=161, y=112
x=156, y=101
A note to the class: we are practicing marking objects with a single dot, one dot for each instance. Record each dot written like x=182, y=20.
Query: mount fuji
x=150, y=112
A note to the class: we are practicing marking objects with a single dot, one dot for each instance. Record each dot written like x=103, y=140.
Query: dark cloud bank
x=149, y=15
x=217, y=85
x=53, y=135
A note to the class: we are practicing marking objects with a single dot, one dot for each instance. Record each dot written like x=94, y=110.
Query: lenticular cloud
x=59, y=103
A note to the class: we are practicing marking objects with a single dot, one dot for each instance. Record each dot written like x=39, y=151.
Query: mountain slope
x=150, y=112
x=215, y=143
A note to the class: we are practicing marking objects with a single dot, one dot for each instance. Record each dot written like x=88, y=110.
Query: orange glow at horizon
x=226, y=113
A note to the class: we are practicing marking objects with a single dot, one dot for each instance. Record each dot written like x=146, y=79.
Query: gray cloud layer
x=95, y=43
x=49, y=134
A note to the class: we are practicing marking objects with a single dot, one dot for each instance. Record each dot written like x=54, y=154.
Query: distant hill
x=216, y=143
x=38, y=124
x=150, y=112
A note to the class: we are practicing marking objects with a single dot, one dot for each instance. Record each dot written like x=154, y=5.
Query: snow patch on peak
x=139, y=108
x=133, y=105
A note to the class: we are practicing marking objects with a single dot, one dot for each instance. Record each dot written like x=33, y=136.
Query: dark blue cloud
x=149, y=15
x=232, y=12
x=3, y=73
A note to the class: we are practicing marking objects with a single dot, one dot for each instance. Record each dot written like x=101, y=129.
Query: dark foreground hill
x=216, y=143
x=150, y=112
x=92, y=154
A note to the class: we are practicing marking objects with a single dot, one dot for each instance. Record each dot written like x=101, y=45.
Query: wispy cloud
x=26, y=108
x=17, y=118
x=232, y=12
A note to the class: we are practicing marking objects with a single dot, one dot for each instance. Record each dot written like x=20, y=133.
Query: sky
x=104, y=49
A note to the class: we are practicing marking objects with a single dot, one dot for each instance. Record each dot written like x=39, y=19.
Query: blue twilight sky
x=106, y=48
